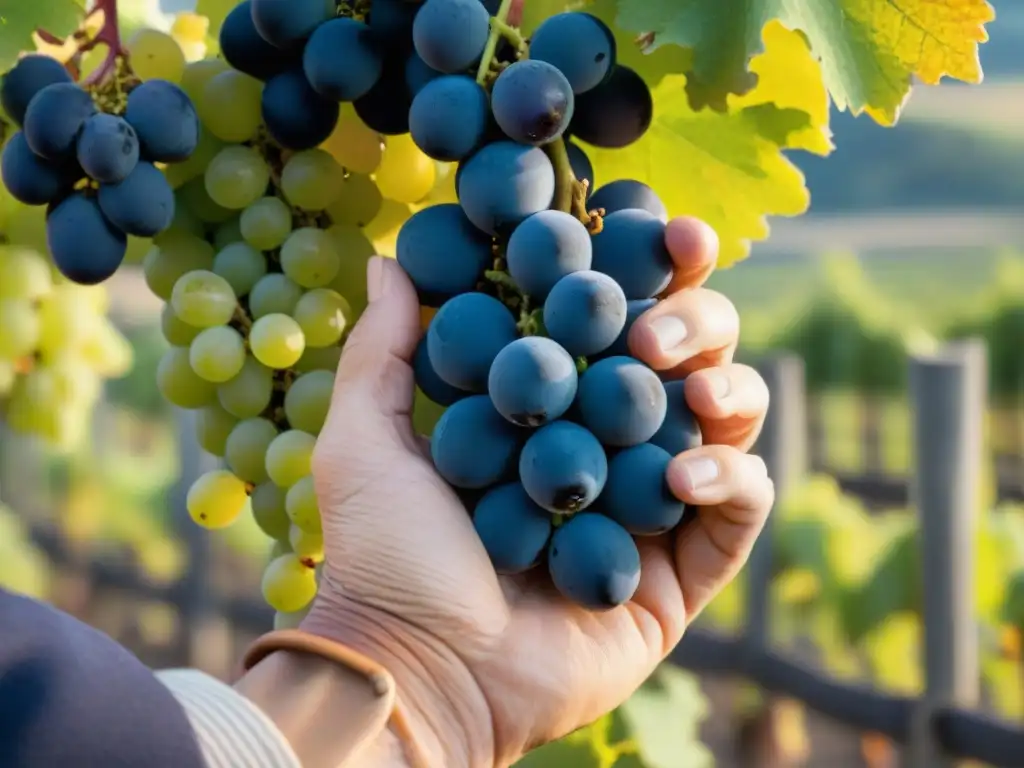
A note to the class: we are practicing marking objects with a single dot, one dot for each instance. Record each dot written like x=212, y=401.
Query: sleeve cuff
x=231, y=730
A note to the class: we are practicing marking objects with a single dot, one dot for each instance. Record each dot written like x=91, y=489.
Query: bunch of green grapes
x=263, y=273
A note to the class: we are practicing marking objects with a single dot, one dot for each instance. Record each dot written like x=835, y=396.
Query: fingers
x=730, y=403
x=733, y=495
x=693, y=246
x=686, y=331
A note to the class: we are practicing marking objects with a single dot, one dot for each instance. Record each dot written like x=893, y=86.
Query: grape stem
x=500, y=28
x=109, y=35
x=570, y=193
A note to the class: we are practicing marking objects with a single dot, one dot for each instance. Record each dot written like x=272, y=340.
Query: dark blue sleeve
x=71, y=696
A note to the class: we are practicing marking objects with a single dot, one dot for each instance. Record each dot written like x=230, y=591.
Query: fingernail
x=700, y=472
x=669, y=331
x=719, y=383
x=376, y=278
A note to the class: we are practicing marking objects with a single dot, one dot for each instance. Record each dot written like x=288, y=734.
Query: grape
x=247, y=51
x=197, y=74
x=288, y=25
x=266, y=223
x=622, y=401
x=358, y=203
x=579, y=45
x=155, y=55
x=289, y=584
x=164, y=119
x=465, y=336
x=585, y=312
x=183, y=223
x=323, y=316
x=307, y=401
x=230, y=106
x=472, y=445
x=442, y=252
x=273, y=294
x=180, y=174
x=308, y=546
x=216, y=499
x=385, y=107
x=637, y=495
x=217, y=354
x=213, y=426
x=21, y=328
x=175, y=256
x=24, y=274
x=392, y=20
x=203, y=299
x=450, y=35
x=563, y=467
x=545, y=248
x=417, y=73
x=176, y=331
x=246, y=446
x=594, y=562
x=342, y=60
x=237, y=177
x=310, y=258
x=30, y=179
x=179, y=384
x=241, y=265
x=108, y=148
x=291, y=619
x=289, y=457
x=449, y=117
x=634, y=309
x=319, y=359
x=277, y=341
x=532, y=381
x=312, y=180
x=295, y=115
x=679, y=432
x=406, y=175
x=582, y=168
x=85, y=246
x=616, y=113
x=302, y=508
x=227, y=232
x=54, y=119
x=142, y=204
x=195, y=197
x=626, y=193
x=532, y=102
x=249, y=393
x=503, y=184
x=268, y=510
x=513, y=529
x=28, y=77
x=353, y=144
x=351, y=278
x=432, y=385
x=631, y=249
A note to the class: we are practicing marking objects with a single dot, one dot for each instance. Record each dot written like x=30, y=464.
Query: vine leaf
x=20, y=18
x=870, y=49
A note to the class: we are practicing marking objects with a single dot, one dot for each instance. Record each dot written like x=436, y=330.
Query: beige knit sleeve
x=232, y=731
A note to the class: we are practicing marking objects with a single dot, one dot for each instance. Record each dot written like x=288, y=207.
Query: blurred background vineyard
x=915, y=236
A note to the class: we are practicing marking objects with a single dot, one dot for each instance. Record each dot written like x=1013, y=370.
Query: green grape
x=179, y=384
x=184, y=223
x=213, y=425
x=356, y=251
x=20, y=328
x=281, y=546
x=273, y=294
x=241, y=265
x=154, y=55
x=289, y=457
x=323, y=315
x=173, y=257
x=319, y=359
x=310, y=257
x=308, y=399
x=237, y=177
x=276, y=341
x=307, y=545
x=230, y=106
x=8, y=375
x=68, y=319
x=302, y=507
x=216, y=499
x=249, y=393
x=176, y=331
x=266, y=223
x=289, y=584
x=24, y=274
x=227, y=233
x=312, y=180
x=198, y=73
x=217, y=354
x=292, y=620
x=180, y=175
x=358, y=202
x=74, y=382
x=246, y=448
x=268, y=510
x=196, y=198
x=203, y=299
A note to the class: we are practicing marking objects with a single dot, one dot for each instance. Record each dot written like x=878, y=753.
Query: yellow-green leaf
x=20, y=18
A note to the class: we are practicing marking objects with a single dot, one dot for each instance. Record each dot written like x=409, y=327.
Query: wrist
x=447, y=712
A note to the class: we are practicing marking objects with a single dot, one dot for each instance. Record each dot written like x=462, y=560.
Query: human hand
x=489, y=667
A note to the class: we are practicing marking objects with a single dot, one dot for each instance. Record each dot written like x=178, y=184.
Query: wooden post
x=948, y=392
